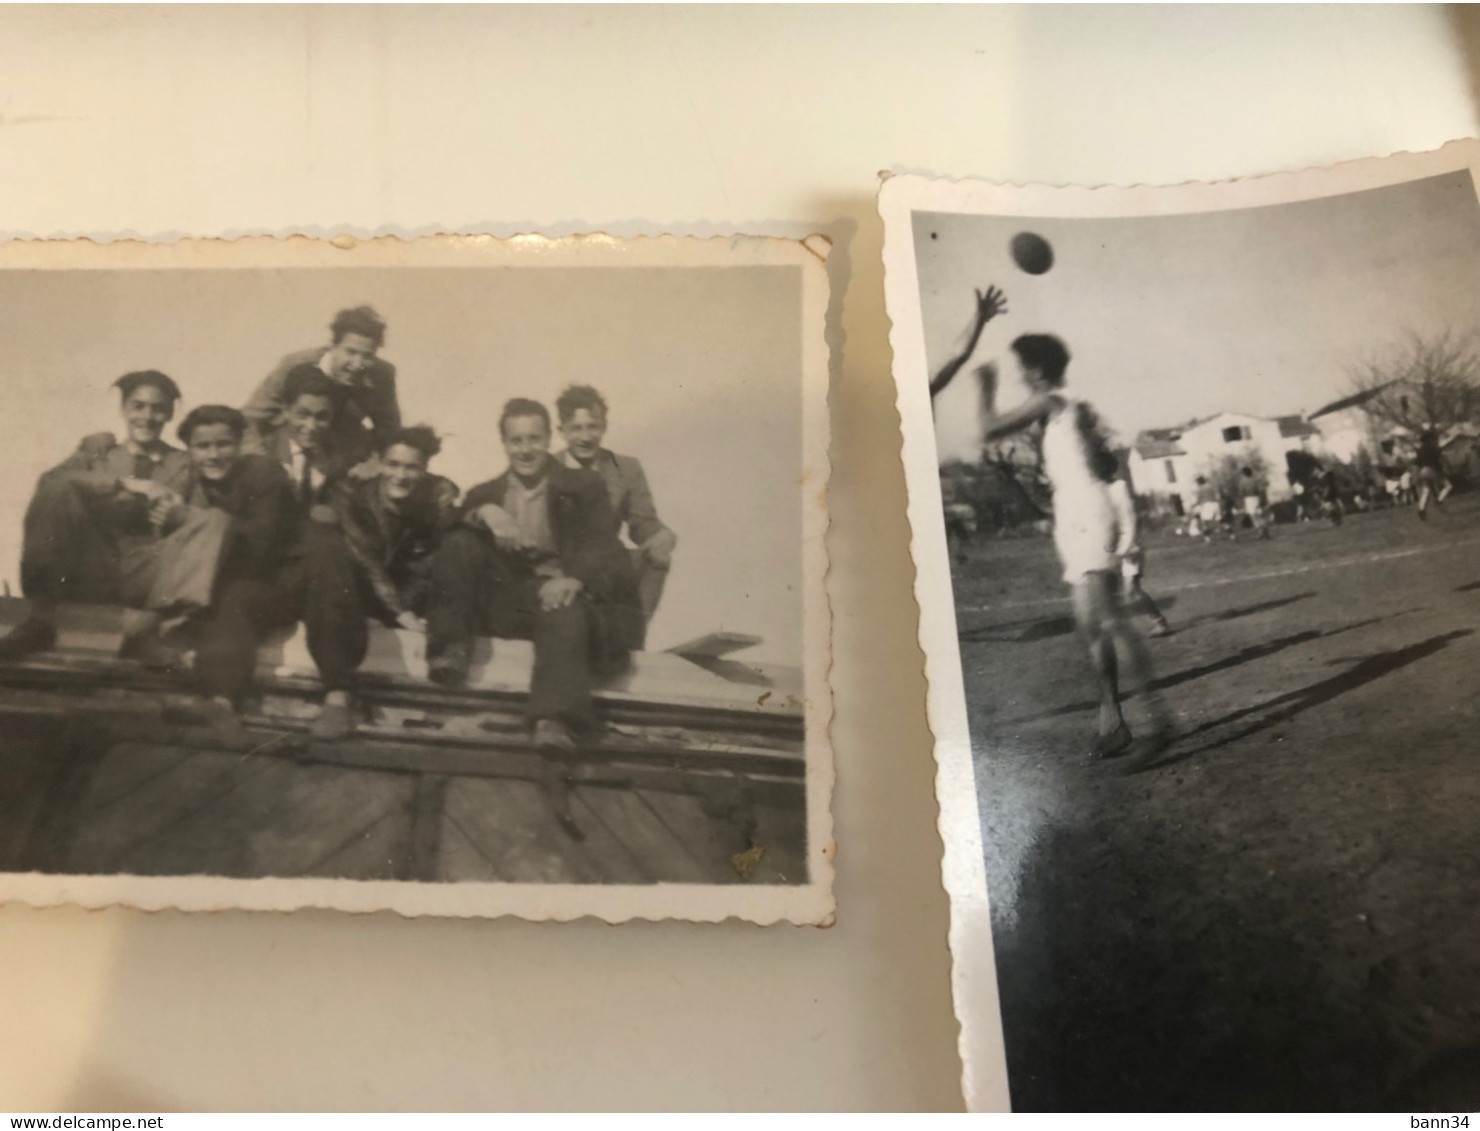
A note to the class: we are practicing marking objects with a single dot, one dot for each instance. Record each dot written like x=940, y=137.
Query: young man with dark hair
x=537, y=557
x=305, y=440
x=251, y=495
x=308, y=574
x=366, y=382
x=393, y=523
x=583, y=421
x=100, y=529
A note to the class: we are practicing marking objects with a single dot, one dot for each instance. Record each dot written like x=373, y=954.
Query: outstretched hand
x=990, y=303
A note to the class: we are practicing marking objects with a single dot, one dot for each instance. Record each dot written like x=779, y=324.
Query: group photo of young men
x=314, y=502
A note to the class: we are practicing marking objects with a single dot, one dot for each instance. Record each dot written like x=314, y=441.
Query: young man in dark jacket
x=393, y=523
x=537, y=557
x=366, y=383
x=307, y=575
x=251, y=494
x=582, y=412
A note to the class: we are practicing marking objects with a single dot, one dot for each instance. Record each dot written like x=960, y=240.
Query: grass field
x=1283, y=909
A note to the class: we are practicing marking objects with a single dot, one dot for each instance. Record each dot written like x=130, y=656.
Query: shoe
x=1109, y=745
x=1146, y=752
x=449, y=668
x=551, y=736
x=335, y=723
x=1160, y=628
x=27, y=638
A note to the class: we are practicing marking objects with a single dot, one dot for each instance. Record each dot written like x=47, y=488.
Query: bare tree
x=1421, y=382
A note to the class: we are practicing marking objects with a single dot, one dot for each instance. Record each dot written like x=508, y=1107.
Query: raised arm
x=989, y=304
x=994, y=424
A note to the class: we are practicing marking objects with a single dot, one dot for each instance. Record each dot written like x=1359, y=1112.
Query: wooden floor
x=77, y=798
x=698, y=777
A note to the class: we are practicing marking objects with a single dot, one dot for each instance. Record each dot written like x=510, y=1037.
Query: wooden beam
x=90, y=634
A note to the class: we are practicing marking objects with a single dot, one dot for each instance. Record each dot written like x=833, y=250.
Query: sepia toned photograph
x=453, y=576
x=1195, y=503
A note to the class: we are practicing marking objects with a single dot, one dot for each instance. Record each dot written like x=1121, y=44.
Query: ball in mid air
x=1032, y=252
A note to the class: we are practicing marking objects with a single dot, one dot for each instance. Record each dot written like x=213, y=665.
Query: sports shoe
x=335, y=723
x=450, y=667
x=1109, y=745
x=1160, y=628
x=28, y=637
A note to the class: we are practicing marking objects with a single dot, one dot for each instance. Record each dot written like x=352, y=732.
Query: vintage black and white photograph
x=1194, y=484
x=453, y=576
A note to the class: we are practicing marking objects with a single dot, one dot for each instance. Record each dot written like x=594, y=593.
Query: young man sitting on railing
x=104, y=527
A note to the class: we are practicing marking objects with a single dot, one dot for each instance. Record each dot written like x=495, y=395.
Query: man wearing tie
x=305, y=437
x=312, y=576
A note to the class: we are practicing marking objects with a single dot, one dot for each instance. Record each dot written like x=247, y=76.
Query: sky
x=1258, y=310
x=701, y=367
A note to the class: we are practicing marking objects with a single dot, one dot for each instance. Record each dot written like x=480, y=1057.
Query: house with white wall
x=1166, y=462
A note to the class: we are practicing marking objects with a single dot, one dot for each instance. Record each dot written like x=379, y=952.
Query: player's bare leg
x=1137, y=675
x=1093, y=601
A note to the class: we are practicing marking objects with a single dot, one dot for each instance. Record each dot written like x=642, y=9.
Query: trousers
x=83, y=549
x=318, y=584
x=478, y=589
x=651, y=579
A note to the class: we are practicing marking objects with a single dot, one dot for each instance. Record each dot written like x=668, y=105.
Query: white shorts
x=1086, y=541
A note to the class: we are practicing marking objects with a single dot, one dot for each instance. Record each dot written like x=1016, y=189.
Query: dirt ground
x=1282, y=910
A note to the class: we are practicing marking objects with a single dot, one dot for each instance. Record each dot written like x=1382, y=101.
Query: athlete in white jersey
x=1086, y=531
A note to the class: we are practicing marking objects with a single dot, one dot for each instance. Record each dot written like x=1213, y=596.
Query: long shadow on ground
x=1033, y=629
x=1282, y=708
x=1143, y=969
x=1232, y=660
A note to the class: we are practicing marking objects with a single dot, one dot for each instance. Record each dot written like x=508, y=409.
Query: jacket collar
x=568, y=460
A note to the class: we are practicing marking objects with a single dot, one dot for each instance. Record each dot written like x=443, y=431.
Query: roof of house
x=1161, y=443
x=1292, y=426
x=1353, y=400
